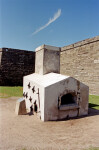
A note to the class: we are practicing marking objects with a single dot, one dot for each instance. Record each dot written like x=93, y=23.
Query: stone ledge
x=68, y=107
x=20, y=107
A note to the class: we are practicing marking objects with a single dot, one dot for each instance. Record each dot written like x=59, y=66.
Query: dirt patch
x=24, y=131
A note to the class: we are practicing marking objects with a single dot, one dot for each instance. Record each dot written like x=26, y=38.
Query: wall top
x=47, y=47
x=80, y=43
x=14, y=49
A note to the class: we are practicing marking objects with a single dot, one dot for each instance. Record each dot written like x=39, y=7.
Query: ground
x=30, y=133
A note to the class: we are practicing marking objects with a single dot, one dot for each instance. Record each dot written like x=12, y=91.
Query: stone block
x=20, y=107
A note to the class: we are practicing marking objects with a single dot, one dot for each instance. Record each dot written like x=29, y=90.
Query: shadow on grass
x=93, y=109
x=91, y=105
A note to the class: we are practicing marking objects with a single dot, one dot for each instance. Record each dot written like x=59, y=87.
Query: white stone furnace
x=51, y=95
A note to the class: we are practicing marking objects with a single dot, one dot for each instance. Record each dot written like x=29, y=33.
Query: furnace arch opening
x=67, y=99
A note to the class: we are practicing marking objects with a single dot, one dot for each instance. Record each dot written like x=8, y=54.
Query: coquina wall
x=81, y=61
x=14, y=64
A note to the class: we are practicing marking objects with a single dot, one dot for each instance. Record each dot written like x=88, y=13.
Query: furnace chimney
x=47, y=59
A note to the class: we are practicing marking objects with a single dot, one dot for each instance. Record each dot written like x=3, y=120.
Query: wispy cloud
x=56, y=15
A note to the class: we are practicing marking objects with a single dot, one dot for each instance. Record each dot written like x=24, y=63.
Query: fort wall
x=14, y=64
x=81, y=61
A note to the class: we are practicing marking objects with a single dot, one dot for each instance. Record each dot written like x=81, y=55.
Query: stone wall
x=81, y=61
x=14, y=64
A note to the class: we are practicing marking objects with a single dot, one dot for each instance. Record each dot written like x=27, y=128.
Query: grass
x=17, y=91
x=94, y=101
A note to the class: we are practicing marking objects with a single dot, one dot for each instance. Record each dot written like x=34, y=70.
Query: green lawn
x=94, y=101
x=17, y=91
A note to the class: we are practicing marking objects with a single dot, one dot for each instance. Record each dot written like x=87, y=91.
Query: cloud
x=56, y=16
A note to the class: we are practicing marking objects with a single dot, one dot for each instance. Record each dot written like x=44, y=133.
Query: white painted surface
x=47, y=79
x=38, y=97
x=51, y=86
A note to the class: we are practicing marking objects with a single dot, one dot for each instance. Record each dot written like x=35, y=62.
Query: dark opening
x=35, y=107
x=31, y=110
x=67, y=99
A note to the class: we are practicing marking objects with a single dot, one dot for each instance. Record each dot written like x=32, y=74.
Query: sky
x=27, y=24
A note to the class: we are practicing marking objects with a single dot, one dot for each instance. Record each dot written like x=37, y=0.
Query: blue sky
x=27, y=24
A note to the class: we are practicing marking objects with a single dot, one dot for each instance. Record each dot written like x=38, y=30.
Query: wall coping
x=80, y=43
x=3, y=48
x=47, y=47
